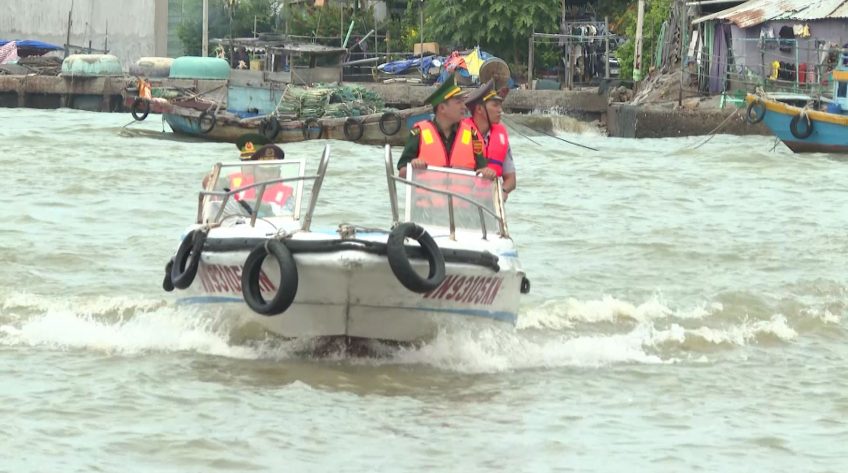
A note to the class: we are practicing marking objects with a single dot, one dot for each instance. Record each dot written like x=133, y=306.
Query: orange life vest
x=497, y=146
x=144, y=89
x=433, y=151
x=277, y=193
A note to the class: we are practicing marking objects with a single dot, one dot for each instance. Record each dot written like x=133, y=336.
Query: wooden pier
x=104, y=94
x=97, y=94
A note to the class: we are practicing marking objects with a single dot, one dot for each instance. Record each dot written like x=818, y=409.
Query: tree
x=501, y=27
x=244, y=12
x=656, y=13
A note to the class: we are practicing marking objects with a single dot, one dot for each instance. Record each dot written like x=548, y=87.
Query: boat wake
x=555, y=333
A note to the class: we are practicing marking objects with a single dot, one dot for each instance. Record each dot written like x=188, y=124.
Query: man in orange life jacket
x=247, y=145
x=485, y=105
x=443, y=141
x=277, y=194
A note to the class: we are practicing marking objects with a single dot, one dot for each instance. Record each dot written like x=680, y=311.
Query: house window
x=842, y=90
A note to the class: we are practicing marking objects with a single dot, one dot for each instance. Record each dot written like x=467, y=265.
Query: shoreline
x=590, y=105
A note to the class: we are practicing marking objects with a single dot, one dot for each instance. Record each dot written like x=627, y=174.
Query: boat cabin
x=274, y=58
x=840, y=86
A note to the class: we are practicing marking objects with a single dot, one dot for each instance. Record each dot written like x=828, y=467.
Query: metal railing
x=498, y=214
x=253, y=210
x=804, y=65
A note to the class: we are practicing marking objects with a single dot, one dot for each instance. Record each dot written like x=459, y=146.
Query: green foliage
x=269, y=16
x=656, y=12
x=501, y=27
x=402, y=29
x=327, y=21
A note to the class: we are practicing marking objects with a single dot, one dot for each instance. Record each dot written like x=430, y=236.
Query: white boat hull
x=354, y=293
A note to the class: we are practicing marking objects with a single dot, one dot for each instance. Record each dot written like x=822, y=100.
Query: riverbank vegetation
x=500, y=27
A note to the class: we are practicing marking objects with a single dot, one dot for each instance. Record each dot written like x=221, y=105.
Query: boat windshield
x=256, y=189
x=444, y=193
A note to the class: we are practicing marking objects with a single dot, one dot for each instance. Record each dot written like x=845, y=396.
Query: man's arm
x=410, y=151
x=509, y=182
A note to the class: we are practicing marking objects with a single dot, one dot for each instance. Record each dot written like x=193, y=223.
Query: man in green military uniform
x=441, y=142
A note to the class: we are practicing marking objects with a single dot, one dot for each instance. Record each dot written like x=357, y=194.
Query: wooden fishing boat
x=818, y=126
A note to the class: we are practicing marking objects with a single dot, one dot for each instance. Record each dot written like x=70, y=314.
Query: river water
x=687, y=313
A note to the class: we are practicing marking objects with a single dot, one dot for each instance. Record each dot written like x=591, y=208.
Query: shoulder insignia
x=478, y=146
x=415, y=131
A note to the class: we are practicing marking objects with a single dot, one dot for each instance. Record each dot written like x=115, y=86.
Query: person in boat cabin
x=486, y=107
x=430, y=140
x=276, y=195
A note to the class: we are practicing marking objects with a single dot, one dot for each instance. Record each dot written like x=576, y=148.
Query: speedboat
x=449, y=262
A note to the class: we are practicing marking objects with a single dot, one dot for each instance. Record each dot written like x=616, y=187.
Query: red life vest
x=432, y=150
x=276, y=193
x=496, y=147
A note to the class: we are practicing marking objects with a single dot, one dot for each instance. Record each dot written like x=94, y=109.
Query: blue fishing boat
x=819, y=126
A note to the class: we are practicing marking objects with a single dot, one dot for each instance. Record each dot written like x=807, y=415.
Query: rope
x=714, y=130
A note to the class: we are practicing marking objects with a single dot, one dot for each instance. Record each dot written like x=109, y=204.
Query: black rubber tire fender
x=755, y=112
x=525, y=285
x=801, y=134
x=269, y=127
x=205, y=117
x=402, y=267
x=311, y=123
x=140, y=109
x=390, y=123
x=353, y=129
x=187, y=259
x=167, y=284
x=251, y=287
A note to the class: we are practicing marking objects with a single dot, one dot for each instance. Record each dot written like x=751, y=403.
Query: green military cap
x=447, y=90
x=249, y=142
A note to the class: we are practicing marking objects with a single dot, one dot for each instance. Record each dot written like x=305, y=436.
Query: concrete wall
x=136, y=28
x=644, y=121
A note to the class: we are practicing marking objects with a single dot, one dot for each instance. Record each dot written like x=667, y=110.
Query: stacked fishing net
x=315, y=101
x=328, y=101
x=354, y=101
x=290, y=104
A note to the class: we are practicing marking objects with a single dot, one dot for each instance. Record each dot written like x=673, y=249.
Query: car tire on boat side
x=187, y=259
x=167, y=284
x=755, y=112
x=270, y=128
x=390, y=123
x=140, y=109
x=206, y=122
x=353, y=129
x=402, y=267
x=802, y=133
x=287, y=288
x=312, y=124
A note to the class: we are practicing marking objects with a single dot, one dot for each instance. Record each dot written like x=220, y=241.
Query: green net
x=329, y=101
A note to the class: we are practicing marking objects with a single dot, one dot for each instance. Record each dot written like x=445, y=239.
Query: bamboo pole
x=204, y=46
x=637, y=55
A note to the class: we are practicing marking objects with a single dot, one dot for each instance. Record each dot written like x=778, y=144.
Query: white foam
x=560, y=314
x=493, y=350
x=738, y=335
x=549, y=336
x=126, y=326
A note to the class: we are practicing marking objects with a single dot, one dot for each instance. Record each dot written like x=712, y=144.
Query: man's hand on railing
x=419, y=163
x=487, y=172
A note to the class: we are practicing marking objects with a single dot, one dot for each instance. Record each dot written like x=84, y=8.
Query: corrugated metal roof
x=754, y=12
